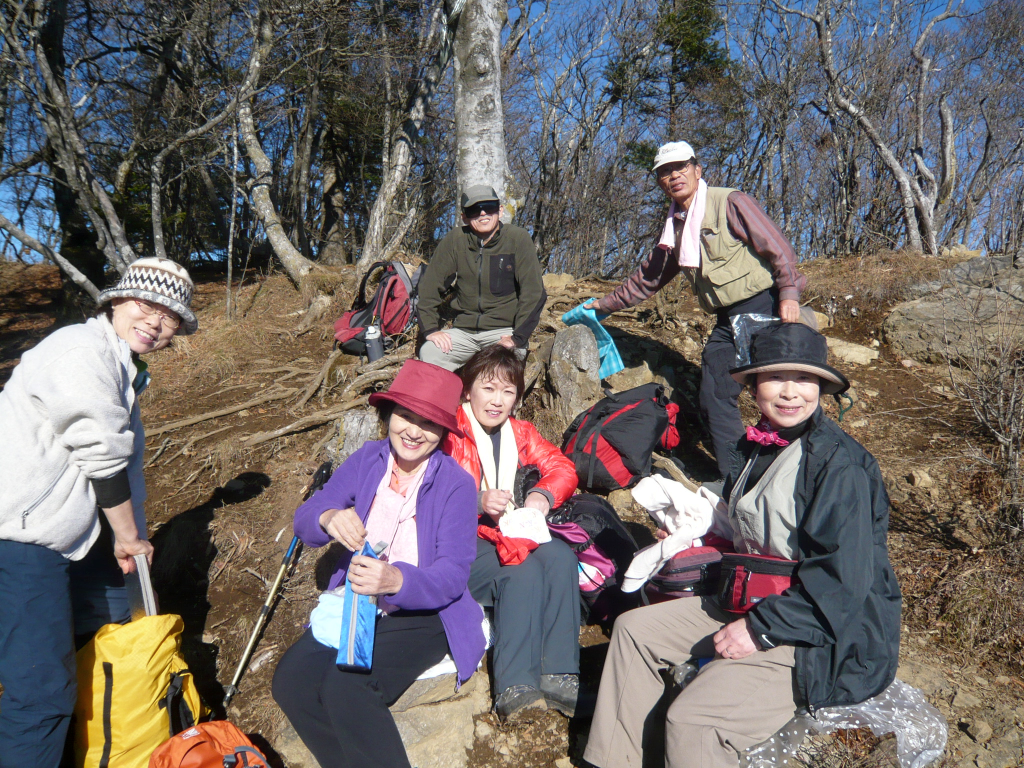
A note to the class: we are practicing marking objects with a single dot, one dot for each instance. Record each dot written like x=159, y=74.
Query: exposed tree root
x=304, y=423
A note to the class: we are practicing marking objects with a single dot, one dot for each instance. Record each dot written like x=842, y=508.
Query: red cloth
x=763, y=434
x=511, y=551
x=557, y=472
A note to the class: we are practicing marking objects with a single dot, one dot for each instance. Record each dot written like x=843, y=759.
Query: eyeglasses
x=170, y=320
x=667, y=170
x=488, y=208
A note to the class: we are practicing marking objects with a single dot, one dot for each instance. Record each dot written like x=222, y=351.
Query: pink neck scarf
x=763, y=434
x=689, y=243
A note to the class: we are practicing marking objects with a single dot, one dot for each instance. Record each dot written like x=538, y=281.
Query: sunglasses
x=171, y=321
x=489, y=208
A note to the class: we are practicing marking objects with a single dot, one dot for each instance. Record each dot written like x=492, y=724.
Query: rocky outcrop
x=353, y=429
x=573, y=372
x=972, y=306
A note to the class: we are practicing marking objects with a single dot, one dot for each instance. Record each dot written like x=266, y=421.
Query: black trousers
x=343, y=717
x=719, y=392
x=536, y=612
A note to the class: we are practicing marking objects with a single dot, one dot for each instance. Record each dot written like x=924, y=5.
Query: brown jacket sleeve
x=751, y=225
x=653, y=274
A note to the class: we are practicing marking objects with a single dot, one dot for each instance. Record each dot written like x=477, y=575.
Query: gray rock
x=556, y=283
x=628, y=378
x=920, y=478
x=981, y=272
x=957, y=320
x=353, y=429
x=848, y=352
x=622, y=500
x=964, y=700
x=979, y=730
x=573, y=372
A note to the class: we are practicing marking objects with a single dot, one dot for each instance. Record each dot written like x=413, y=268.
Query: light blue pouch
x=358, y=626
x=611, y=360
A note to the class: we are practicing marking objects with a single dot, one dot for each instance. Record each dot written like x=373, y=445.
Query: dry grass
x=978, y=606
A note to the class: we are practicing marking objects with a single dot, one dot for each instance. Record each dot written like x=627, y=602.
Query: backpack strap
x=361, y=298
x=179, y=716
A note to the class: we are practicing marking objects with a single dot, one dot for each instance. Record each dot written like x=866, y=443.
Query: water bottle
x=374, y=343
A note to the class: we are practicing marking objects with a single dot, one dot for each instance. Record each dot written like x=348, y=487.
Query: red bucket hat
x=428, y=391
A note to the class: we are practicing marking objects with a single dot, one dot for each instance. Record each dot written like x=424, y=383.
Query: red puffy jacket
x=557, y=472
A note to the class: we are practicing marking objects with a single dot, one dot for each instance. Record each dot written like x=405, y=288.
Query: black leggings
x=343, y=717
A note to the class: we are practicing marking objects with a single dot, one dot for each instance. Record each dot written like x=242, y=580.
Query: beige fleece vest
x=730, y=271
x=763, y=518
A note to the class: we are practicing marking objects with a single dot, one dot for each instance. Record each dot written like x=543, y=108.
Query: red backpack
x=391, y=308
x=612, y=441
x=217, y=744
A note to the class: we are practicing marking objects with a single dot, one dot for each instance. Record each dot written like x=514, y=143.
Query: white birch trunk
x=479, y=116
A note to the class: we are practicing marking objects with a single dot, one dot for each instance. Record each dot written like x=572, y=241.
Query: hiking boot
x=563, y=693
x=515, y=699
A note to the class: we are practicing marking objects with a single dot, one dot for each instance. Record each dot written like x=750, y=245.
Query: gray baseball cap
x=478, y=193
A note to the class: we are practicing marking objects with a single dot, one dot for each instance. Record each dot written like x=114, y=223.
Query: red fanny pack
x=746, y=580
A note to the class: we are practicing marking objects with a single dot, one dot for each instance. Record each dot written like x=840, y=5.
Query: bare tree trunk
x=296, y=266
x=479, y=116
x=332, y=237
x=400, y=156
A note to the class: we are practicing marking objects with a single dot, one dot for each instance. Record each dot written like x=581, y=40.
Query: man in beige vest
x=737, y=261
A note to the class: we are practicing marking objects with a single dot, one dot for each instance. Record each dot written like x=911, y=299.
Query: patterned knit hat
x=160, y=281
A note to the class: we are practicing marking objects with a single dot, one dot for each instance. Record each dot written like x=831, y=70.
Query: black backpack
x=612, y=441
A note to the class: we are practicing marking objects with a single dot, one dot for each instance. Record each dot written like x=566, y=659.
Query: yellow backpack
x=134, y=691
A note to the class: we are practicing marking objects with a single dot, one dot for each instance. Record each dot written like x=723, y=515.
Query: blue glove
x=611, y=360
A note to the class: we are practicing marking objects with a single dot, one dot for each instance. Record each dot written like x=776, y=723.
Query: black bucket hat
x=792, y=347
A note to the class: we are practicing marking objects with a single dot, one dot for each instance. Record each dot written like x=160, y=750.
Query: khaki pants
x=464, y=346
x=730, y=706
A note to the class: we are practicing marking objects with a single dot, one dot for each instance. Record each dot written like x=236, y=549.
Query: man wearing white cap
x=737, y=261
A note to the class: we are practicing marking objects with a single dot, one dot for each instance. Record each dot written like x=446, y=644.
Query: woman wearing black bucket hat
x=798, y=489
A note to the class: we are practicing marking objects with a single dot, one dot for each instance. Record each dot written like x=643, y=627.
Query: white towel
x=684, y=514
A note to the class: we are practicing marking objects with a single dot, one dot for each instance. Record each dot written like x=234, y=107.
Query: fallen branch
x=677, y=474
x=304, y=423
x=280, y=394
x=314, y=386
x=359, y=382
x=400, y=355
x=193, y=441
x=159, y=451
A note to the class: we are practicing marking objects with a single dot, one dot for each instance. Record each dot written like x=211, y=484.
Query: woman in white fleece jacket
x=72, y=444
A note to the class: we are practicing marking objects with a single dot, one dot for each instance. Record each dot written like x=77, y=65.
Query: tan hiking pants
x=730, y=706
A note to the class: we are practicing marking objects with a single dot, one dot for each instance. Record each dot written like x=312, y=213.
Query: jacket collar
x=474, y=238
x=433, y=462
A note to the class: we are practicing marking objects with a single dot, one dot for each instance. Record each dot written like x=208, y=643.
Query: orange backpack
x=217, y=744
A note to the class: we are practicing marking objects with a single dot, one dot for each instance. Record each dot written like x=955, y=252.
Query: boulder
x=573, y=372
x=628, y=378
x=353, y=429
x=435, y=722
x=824, y=321
x=958, y=320
x=848, y=352
x=557, y=283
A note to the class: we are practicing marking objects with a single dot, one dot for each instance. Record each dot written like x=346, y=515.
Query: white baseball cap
x=673, y=152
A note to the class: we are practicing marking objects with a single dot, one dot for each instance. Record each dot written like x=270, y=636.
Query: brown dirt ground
x=220, y=515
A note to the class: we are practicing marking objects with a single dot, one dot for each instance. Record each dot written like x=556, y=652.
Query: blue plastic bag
x=611, y=360
x=358, y=626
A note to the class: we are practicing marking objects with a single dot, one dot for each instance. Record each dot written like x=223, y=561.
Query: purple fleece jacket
x=446, y=523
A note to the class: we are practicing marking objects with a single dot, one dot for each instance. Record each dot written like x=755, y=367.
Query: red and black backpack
x=391, y=308
x=611, y=442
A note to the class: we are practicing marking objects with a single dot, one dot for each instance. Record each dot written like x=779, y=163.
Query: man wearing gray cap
x=499, y=294
x=736, y=260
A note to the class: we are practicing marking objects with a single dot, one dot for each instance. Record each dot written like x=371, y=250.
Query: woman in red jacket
x=536, y=603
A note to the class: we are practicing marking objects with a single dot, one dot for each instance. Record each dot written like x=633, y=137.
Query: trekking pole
x=291, y=556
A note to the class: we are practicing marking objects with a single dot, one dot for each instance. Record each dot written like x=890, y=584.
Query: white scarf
x=503, y=477
x=689, y=243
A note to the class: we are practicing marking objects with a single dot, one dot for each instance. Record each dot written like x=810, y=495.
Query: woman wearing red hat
x=404, y=494
x=536, y=602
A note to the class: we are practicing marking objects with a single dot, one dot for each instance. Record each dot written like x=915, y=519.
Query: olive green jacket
x=497, y=285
